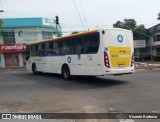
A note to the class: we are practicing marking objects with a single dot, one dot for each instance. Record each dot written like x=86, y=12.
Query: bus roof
x=63, y=37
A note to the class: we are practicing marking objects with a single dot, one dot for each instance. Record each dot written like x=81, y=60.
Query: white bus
x=92, y=53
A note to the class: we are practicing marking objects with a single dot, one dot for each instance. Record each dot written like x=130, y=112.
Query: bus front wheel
x=66, y=72
x=34, y=69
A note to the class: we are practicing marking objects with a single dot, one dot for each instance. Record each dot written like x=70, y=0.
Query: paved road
x=21, y=91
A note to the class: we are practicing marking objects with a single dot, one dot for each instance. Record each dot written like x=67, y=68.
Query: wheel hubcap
x=66, y=72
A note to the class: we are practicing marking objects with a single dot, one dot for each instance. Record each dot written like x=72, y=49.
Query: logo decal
x=106, y=49
x=79, y=56
x=120, y=38
x=20, y=34
x=69, y=59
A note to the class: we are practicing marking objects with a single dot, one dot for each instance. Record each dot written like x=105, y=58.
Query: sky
x=76, y=15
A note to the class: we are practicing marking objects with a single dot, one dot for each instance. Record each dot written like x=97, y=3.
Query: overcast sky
x=91, y=12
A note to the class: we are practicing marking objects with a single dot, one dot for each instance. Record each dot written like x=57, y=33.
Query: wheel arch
x=65, y=71
x=63, y=66
x=33, y=64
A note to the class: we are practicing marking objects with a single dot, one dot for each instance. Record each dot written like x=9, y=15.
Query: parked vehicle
x=144, y=57
x=138, y=58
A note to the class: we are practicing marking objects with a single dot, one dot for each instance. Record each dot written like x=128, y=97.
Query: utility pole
x=0, y=7
x=57, y=23
x=1, y=22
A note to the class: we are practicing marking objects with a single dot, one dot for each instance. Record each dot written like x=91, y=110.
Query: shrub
x=156, y=58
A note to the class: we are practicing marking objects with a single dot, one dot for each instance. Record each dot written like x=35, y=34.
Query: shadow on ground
x=76, y=83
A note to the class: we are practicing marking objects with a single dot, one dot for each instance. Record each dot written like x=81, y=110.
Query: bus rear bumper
x=119, y=71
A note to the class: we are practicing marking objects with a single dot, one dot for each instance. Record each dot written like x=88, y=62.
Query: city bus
x=92, y=53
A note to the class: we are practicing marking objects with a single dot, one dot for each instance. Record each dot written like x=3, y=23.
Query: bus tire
x=66, y=72
x=34, y=69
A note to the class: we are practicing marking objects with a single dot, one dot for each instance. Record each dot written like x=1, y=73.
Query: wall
x=2, y=62
x=25, y=35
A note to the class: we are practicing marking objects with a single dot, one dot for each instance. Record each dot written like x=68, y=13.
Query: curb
x=147, y=68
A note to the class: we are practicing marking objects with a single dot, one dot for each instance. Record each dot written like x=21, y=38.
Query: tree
x=158, y=16
x=1, y=23
x=118, y=24
x=139, y=32
x=126, y=24
x=129, y=24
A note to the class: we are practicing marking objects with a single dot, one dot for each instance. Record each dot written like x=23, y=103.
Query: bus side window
x=79, y=45
x=34, y=49
x=48, y=48
x=92, y=43
x=27, y=52
x=65, y=50
x=56, y=50
x=72, y=46
x=41, y=49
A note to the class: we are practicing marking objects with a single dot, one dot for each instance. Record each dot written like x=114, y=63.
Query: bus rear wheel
x=66, y=72
x=34, y=69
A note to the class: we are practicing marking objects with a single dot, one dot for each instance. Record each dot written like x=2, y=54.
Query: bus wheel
x=34, y=69
x=66, y=72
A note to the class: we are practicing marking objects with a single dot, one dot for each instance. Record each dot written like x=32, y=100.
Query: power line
x=78, y=14
x=82, y=8
x=74, y=12
x=141, y=33
x=1, y=10
x=87, y=25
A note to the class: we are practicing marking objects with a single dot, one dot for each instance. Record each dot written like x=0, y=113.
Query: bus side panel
x=53, y=64
x=40, y=63
x=29, y=65
x=78, y=64
x=84, y=64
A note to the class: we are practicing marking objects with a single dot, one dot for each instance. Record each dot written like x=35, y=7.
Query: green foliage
x=126, y=24
x=118, y=24
x=139, y=31
x=1, y=23
x=158, y=16
x=129, y=24
x=156, y=58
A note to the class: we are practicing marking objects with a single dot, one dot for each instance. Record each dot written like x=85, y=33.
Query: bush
x=156, y=58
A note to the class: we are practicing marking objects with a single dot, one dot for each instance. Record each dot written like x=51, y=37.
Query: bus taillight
x=132, y=60
x=106, y=60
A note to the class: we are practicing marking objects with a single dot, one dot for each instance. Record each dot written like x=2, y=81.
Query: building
x=16, y=32
x=149, y=49
x=153, y=44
